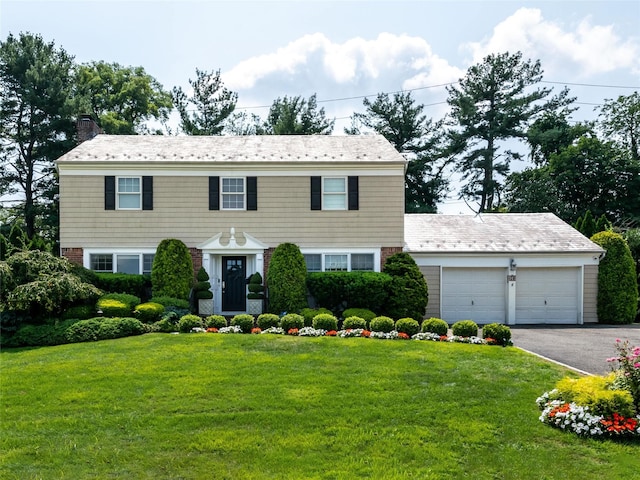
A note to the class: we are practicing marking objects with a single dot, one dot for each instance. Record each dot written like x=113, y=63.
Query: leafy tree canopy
x=620, y=120
x=296, y=116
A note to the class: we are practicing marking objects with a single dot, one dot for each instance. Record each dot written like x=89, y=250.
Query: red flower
x=491, y=341
x=256, y=330
x=366, y=333
x=565, y=407
x=331, y=333
x=443, y=338
x=403, y=336
x=212, y=330
x=619, y=424
x=292, y=331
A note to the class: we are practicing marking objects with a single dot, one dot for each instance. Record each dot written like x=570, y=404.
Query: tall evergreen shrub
x=172, y=270
x=286, y=280
x=408, y=292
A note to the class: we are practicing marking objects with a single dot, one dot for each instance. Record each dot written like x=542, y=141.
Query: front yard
x=194, y=406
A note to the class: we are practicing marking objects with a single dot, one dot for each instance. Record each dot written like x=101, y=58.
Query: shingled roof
x=493, y=233
x=206, y=149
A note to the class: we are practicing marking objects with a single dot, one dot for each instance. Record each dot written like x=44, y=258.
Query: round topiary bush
x=255, y=287
x=268, y=320
x=499, y=332
x=202, y=288
x=325, y=321
x=382, y=324
x=409, y=294
x=291, y=320
x=465, y=328
x=244, y=321
x=309, y=313
x=287, y=279
x=187, y=322
x=110, y=307
x=149, y=312
x=354, y=322
x=172, y=270
x=408, y=326
x=435, y=325
x=215, y=321
x=617, y=281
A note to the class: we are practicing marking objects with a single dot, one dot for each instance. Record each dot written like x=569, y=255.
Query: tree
x=417, y=138
x=121, y=98
x=620, y=119
x=409, y=293
x=494, y=102
x=35, y=124
x=296, y=116
x=286, y=279
x=617, y=282
x=551, y=133
x=172, y=270
x=205, y=112
x=534, y=190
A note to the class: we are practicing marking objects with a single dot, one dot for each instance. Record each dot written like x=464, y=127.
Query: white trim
x=344, y=194
x=131, y=194
x=87, y=252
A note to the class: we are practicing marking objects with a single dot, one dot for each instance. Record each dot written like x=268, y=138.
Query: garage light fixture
x=512, y=264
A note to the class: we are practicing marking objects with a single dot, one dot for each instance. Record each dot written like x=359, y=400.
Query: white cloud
x=586, y=50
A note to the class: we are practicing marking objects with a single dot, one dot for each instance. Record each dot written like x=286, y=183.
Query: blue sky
x=344, y=49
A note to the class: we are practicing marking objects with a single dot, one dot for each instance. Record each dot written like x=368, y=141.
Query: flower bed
x=597, y=420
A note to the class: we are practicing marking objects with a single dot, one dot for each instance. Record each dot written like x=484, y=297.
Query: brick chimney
x=87, y=128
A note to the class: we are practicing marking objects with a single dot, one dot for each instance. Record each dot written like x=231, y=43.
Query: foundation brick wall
x=196, y=259
x=74, y=255
x=386, y=252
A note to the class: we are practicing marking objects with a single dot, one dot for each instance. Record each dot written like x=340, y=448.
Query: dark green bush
x=255, y=287
x=408, y=326
x=132, y=284
x=171, y=302
x=408, y=293
x=325, y=321
x=363, y=313
x=291, y=320
x=83, y=331
x=309, y=313
x=354, y=322
x=103, y=328
x=215, y=321
x=202, y=288
x=172, y=270
x=244, y=321
x=168, y=323
x=187, y=322
x=180, y=312
x=79, y=312
x=435, y=325
x=340, y=290
x=286, y=279
x=500, y=333
x=40, y=335
x=617, y=281
x=268, y=320
x=465, y=328
x=149, y=312
x=382, y=324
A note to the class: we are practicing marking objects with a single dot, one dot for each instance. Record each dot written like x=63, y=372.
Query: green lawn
x=211, y=406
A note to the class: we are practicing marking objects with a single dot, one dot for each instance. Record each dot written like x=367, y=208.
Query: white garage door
x=547, y=295
x=476, y=294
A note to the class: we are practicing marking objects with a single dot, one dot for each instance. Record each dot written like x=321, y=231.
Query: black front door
x=234, y=272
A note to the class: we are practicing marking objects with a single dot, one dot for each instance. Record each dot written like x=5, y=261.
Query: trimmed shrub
x=110, y=307
x=130, y=300
x=340, y=290
x=79, y=312
x=465, y=328
x=363, y=313
x=286, y=279
x=309, y=313
x=617, y=281
x=187, y=322
x=408, y=294
x=172, y=270
x=325, y=321
x=103, y=328
x=83, y=331
x=595, y=392
x=268, y=320
x=130, y=283
x=40, y=335
x=148, y=312
x=215, y=321
x=435, y=325
x=202, y=288
x=499, y=332
x=171, y=302
x=382, y=324
x=291, y=320
x=244, y=321
x=408, y=326
x=354, y=322
x=255, y=287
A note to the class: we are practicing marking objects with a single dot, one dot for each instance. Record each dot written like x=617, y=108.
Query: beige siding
x=180, y=210
x=590, y=305
x=432, y=275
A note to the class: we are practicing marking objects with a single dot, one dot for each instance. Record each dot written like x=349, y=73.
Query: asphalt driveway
x=584, y=348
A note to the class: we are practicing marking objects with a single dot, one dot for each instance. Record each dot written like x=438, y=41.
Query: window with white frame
x=233, y=193
x=129, y=193
x=339, y=262
x=334, y=193
x=136, y=263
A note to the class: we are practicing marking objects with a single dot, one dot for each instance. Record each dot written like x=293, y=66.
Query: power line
x=589, y=85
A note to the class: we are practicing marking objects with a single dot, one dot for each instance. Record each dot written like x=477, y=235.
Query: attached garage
x=528, y=268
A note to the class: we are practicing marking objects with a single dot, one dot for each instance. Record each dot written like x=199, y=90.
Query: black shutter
x=110, y=193
x=316, y=193
x=353, y=193
x=147, y=193
x=252, y=193
x=214, y=193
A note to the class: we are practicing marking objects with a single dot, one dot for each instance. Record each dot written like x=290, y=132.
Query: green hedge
x=338, y=291
x=132, y=284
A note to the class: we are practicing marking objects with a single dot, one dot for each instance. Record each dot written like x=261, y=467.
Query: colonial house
x=232, y=200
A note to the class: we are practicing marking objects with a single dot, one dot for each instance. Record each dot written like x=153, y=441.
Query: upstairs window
x=233, y=193
x=129, y=193
x=334, y=193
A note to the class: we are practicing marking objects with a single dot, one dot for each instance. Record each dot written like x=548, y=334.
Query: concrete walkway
x=584, y=348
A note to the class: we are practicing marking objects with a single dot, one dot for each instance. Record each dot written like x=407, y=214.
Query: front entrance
x=234, y=274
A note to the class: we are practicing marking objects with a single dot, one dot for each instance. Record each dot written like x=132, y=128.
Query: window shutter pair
x=352, y=193
x=214, y=193
x=110, y=193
